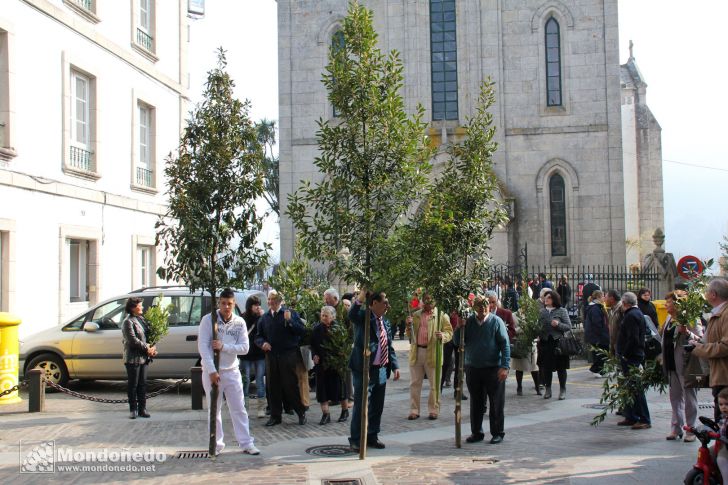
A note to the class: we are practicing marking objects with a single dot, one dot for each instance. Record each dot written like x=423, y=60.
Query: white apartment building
x=93, y=96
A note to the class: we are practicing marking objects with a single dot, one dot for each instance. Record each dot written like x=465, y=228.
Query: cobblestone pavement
x=546, y=441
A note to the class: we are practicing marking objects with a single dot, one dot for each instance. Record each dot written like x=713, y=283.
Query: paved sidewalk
x=547, y=441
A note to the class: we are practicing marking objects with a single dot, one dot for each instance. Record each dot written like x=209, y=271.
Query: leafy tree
x=374, y=160
x=450, y=236
x=267, y=138
x=724, y=254
x=209, y=233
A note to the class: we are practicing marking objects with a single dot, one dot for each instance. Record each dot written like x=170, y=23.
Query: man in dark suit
x=279, y=334
x=382, y=363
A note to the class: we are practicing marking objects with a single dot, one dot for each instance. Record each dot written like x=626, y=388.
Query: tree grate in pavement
x=331, y=450
x=342, y=481
x=182, y=455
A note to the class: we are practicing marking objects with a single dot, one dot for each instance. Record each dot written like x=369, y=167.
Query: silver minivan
x=89, y=346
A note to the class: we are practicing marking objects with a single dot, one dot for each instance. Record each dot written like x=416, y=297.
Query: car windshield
x=109, y=315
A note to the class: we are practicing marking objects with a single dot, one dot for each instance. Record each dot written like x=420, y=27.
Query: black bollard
x=36, y=391
x=196, y=389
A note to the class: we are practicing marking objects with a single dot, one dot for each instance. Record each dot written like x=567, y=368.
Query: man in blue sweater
x=487, y=361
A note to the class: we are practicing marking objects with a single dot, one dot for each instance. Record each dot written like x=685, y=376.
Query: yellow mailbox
x=661, y=311
x=9, y=349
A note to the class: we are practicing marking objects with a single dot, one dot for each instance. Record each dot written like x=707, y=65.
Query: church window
x=553, y=63
x=557, y=201
x=444, y=62
x=337, y=43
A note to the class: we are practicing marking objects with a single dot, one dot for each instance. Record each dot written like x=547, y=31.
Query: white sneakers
x=251, y=450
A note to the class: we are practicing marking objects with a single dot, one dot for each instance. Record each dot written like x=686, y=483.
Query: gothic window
x=444, y=62
x=557, y=201
x=337, y=43
x=553, y=63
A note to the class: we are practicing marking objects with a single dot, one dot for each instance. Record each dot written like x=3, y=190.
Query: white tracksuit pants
x=231, y=386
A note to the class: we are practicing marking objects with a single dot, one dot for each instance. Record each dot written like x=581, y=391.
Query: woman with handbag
x=555, y=322
x=137, y=353
x=683, y=400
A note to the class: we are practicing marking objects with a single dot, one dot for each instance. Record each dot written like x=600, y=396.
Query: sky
x=677, y=48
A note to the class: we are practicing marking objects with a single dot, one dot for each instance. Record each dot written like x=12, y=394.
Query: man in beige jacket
x=425, y=334
x=715, y=348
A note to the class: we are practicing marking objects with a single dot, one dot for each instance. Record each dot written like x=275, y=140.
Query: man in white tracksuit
x=232, y=340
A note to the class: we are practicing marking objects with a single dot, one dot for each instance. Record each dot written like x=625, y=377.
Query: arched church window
x=337, y=42
x=553, y=63
x=557, y=203
x=444, y=60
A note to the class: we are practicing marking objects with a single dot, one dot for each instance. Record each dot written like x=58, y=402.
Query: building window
x=337, y=43
x=557, y=201
x=7, y=151
x=84, y=8
x=444, y=62
x=145, y=255
x=553, y=63
x=81, y=156
x=144, y=175
x=79, y=269
x=143, y=32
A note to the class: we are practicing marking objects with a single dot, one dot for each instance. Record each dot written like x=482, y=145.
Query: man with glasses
x=382, y=363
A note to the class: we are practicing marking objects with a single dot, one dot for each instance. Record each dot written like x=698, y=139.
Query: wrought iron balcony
x=144, y=177
x=81, y=158
x=145, y=40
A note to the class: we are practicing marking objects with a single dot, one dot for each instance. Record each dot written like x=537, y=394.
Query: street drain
x=193, y=454
x=487, y=461
x=706, y=405
x=331, y=450
x=594, y=406
x=342, y=481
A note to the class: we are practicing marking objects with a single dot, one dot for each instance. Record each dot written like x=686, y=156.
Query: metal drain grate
x=342, y=481
x=331, y=450
x=594, y=406
x=192, y=454
x=706, y=405
x=487, y=461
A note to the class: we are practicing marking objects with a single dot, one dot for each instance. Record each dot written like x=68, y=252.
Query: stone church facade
x=579, y=157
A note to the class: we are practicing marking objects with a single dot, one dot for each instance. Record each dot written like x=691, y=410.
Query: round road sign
x=689, y=267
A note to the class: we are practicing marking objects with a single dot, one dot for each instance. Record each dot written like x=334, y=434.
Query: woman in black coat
x=646, y=306
x=596, y=330
x=554, y=322
x=329, y=383
x=137, y=352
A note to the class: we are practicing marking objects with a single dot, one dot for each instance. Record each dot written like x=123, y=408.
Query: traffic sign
x=689, y=267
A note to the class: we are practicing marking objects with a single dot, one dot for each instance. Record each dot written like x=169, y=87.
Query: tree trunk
x=365, y=384
x=438, y=361
x=459, y=391
x=214, y=389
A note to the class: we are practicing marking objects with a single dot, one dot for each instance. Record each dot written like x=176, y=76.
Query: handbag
x=697, y=372
x=653, y=341
x=568, y=344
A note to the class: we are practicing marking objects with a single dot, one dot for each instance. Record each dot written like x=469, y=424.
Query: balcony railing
x=81, y=158
x=87, y=4
x=144, y=177
x=145, y=40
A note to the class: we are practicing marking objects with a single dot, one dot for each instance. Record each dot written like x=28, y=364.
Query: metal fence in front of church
x=607, y=277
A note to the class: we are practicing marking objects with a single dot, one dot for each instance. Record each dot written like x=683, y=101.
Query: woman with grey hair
x=329, y=383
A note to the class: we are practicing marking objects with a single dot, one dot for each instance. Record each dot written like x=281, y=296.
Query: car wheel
x=53, y=367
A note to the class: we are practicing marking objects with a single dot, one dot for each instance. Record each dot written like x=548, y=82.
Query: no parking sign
x=689, y=267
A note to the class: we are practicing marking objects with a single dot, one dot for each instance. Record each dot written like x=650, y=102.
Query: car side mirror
x=90, y=326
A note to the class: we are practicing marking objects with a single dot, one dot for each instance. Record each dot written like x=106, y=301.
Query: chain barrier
x=79, y=395
x=14, y=388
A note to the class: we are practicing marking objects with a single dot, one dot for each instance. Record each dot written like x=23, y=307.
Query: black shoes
x=354, y=446
x=474, y=438
x=302, y=419
x=344, y=417
x=273, y=421
x=375, y=443
x=325, y=419
x=143, y=414
x=496, y=439
x=289, y=412
x=132, y=414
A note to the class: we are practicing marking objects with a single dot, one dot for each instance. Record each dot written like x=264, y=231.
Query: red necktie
x=383, y=344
